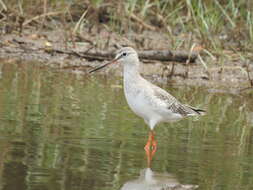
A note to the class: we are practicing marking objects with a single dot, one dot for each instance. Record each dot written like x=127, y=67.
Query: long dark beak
x=101, y=67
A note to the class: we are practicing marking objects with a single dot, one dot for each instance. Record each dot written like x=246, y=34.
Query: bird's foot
x=151, y=144
x=147, y=146
x=151, y=147
x=154, y=147
x=150, y=150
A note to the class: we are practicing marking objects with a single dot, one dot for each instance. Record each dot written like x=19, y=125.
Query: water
x=60, y=130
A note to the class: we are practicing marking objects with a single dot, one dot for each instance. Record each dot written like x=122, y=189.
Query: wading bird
x=148, y=101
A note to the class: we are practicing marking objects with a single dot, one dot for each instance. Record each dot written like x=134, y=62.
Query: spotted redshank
x=148, y=101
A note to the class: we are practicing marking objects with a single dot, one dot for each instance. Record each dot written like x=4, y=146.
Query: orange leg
x=149, y=142
x=154, y=143
x=150, y=147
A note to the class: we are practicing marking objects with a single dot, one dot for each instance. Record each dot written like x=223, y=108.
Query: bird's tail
x=197, y=110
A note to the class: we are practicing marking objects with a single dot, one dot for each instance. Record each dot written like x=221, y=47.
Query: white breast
x=141, y=99
x=139, y=106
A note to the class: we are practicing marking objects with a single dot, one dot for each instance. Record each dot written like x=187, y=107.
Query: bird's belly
x=140, y=107
x=143, y=109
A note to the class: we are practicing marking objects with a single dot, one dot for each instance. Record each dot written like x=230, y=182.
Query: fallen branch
x=158, y=55
x=91, y=54
x=168, y=55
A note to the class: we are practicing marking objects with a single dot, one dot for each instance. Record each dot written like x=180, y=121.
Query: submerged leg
x=154, y=145
x=150, y=147
x=149, y=142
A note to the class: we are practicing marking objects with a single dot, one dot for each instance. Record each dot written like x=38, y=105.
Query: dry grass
x=217, y=26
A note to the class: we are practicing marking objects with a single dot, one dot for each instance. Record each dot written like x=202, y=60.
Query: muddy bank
x=204, y=71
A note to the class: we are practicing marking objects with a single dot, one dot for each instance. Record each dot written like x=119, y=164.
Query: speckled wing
x=164, y=96
x=173, y=104
x=182, y=109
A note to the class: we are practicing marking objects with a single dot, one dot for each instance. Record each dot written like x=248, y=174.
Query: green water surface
x=64, y=130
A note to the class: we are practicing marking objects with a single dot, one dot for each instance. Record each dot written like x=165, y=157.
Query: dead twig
x=42, y=16
x=145, y=25
x=188, y=61
x=84, y=39
x=248, y=74
x=79, y=22
x=21, y=20
x=44, y=12
x=3, y=5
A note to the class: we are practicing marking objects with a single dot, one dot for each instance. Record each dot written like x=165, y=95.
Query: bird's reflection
x=150, y=180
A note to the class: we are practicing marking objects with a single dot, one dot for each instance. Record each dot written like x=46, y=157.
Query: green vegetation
x=226, y=24
x=222, y=30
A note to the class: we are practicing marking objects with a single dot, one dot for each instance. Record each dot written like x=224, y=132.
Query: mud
x=233, y=76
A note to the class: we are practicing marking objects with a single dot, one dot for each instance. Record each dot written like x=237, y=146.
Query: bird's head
x=125, y=56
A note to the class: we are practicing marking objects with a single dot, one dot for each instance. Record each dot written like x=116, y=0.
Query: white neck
x=131, y=71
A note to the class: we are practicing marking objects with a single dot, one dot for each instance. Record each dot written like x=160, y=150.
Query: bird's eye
x=124, y=54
